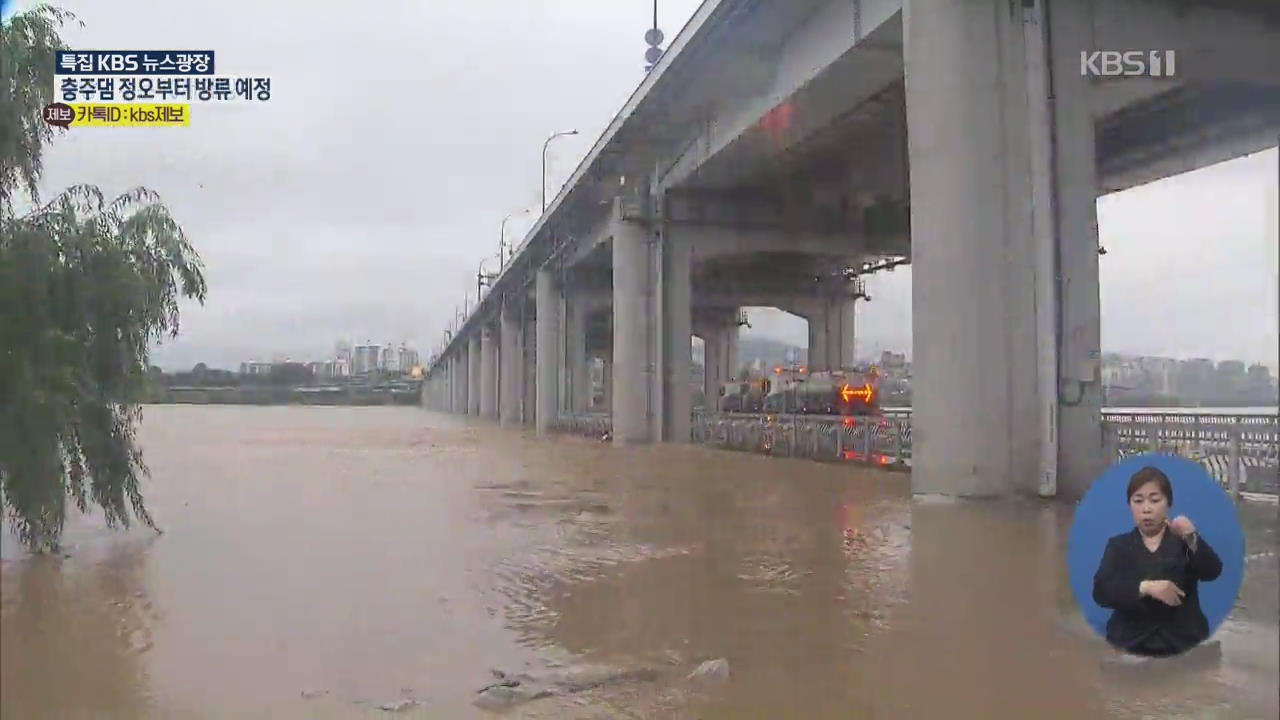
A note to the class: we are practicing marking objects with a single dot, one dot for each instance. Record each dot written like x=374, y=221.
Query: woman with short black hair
x=1150, y=575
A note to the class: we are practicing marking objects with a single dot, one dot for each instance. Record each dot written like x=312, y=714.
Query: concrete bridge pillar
x=652, y=333
x=510, y=362
x=528, y=370
x=632, y=377
x=606, y=375
x=720, y=343
x=831, y=333
x=450, y=387
x=677, y=337
x=488, y=372
x=473, y=374
x=1003, y=188
x=463, y=373
x=576, y=361
x=547, y=350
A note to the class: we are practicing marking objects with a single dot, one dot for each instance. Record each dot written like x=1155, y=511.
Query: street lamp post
x=544, y=163
x=502, y=237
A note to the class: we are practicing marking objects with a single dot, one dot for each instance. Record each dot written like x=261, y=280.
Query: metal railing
x=1241, y=451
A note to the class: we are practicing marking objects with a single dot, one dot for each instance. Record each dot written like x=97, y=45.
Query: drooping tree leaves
x=86, y=287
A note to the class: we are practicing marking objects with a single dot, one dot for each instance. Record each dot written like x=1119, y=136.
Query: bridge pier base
x=1002, y=189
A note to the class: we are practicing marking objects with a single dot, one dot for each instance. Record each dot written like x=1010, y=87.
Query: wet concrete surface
x=388, y=562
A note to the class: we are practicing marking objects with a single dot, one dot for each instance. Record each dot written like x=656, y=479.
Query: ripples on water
x=361, y=554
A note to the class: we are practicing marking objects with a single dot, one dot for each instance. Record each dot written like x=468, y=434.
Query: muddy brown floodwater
x=329, y=562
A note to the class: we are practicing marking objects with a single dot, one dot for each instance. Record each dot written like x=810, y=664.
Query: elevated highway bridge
x=780, y=149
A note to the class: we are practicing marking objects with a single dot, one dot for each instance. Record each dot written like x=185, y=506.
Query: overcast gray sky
x=341, y=209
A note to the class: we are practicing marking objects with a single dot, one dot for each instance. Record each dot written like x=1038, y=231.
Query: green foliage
x=27, y=45
x=86, y=287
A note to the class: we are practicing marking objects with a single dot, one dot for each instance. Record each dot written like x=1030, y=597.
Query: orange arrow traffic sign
x=864, y=393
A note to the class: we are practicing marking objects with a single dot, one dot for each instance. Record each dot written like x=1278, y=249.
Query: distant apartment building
x=408, y=358
x=1195, y=378
x=323, y=369
x=1121, y=372
x=390, y=360
x=255, y=368
x=365, y=359
x=1160, y=374
x=1230, y=379
x=342, y=367
x=1259, y=383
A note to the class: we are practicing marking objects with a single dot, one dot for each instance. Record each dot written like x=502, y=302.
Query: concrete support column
x=509, y=362
x=451, y=385
x=547, y=350
x=464, y=380
x=677, y=338
x=473, y=374
x=841, y=344
x=578, y=398
x=831, y=333
x=606, y=399
x=711, y=362
x=632, y=378
x=528, y=372
x=720, y=342
x=817, y=318
x=989, y=195
x=731, y=350
x=488, y=372
x=1080, y=433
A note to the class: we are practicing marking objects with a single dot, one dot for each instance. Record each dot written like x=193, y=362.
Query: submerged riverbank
x=263, y=395
x=323, y=563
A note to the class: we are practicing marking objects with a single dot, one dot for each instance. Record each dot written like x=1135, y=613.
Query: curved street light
x=544, y=163
x=482, y=276
x=502, y=237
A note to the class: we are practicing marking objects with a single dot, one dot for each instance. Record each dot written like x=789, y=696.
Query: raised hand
x=1182, y=526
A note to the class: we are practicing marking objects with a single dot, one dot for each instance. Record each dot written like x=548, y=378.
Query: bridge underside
x=806, y=142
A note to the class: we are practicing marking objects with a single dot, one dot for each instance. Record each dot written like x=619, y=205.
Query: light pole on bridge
x=544, y=163
x=503, y=256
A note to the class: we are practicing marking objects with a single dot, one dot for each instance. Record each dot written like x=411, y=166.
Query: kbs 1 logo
x=1128, y=63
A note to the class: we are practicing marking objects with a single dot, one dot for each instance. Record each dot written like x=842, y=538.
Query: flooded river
x=324, y=562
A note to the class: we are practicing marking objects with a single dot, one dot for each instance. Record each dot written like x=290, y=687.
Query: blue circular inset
x=1104, y=512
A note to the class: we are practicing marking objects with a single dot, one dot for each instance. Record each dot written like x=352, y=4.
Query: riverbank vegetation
x=87, y=286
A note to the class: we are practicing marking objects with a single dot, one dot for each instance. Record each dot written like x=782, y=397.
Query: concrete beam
x=712, y=241
x=1212, y=44
x=804, y=57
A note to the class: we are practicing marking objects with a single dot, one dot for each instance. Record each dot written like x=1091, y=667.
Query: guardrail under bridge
x=1241, y=451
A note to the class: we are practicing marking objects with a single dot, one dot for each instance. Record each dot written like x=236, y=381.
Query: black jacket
x=1144, y=625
